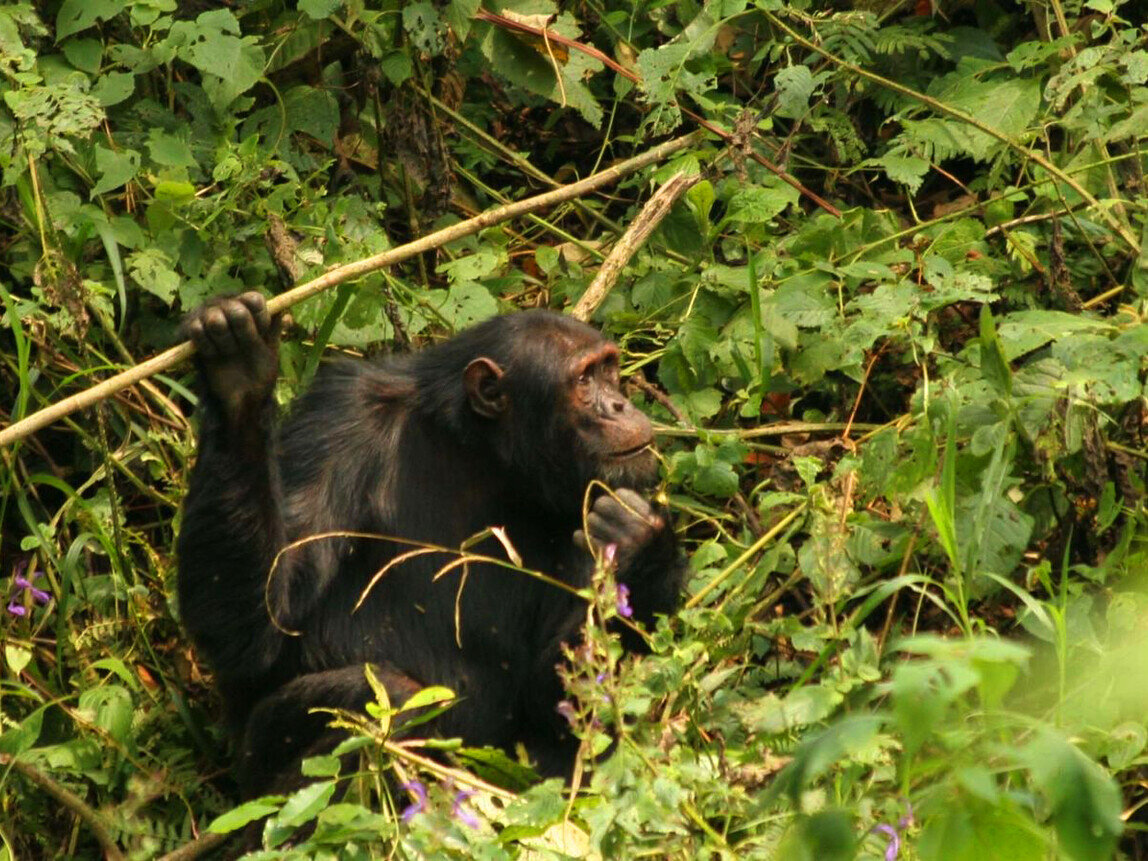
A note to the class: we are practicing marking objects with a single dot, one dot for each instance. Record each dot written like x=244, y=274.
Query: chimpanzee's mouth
x=631, y=452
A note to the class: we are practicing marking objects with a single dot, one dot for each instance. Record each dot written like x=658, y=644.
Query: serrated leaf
x=152, y=270
x=774, y=715
x=909, y=170
x=794, y=86
x=757, y=205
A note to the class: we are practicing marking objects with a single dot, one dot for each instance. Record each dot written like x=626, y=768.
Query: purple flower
x=22, y=582
x=893, y=832
x=24, y=585
x=461, y=813
x=566, y=709
x=622, y=601
x=894, y=840
x=419, y=791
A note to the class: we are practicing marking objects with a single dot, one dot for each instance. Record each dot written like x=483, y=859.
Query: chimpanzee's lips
x=630, y=452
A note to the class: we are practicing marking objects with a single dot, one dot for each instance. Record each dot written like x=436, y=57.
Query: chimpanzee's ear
x=483, y=381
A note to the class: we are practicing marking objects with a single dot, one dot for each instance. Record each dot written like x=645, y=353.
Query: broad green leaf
x=169, y=149
x=116, y=168
x=112, y=88
x=1084, y=799
x=77, y=15
x=15, y=740
x=240, y=816
x=964, y=829
x=775, y=715
x=459, y=14
x=84, y=54
x=317, y=10
x=993, y=363
x=305, y=804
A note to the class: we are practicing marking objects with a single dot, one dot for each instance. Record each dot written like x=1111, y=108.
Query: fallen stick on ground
x=173, y=356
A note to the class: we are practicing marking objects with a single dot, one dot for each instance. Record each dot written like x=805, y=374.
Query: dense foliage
x=895, y=339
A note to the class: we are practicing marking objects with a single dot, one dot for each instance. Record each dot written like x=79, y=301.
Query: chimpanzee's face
x=614, y=433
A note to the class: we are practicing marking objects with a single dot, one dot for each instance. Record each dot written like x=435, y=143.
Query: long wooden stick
x=173, y=356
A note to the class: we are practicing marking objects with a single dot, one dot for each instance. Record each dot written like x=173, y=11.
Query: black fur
x=395, y=449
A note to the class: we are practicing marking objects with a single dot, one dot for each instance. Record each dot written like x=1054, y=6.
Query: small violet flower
x=622, y=601
x=24, y=585
x=894, y=840
x=461, y=813
x=893, y=832
x=419, y=791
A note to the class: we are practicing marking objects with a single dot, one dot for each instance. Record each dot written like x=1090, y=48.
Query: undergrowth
x=894, y=340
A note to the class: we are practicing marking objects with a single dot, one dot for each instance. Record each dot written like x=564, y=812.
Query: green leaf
x=909, y=170
x=171, y=150
x=84, y=54
x=231, y=65
x=114, y=87
x=15, y=740
x=994, y=366
x=967, y=830
x=1025, y=331
x=305, y=804
x=77, y=15
x=245, y=813
x=116, y=168
x=397, y=66
x=794, y=86
x=321, y=766
x=522, y=65
x=151, y=268
x=757, y=205
x=846, y=737
x=110, y=708
x=459, y=15
x=466, y=304
x=775, y=715
x=17, y=658
x=1084, y=799
x=317, y=10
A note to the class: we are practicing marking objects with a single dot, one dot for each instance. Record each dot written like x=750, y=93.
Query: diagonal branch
x=340, y=274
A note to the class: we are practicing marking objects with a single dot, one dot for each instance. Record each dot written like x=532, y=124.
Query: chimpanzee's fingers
x=218, y=330
x=192, y=329
x=241, y=320
x=257, y=305
x=627, y=510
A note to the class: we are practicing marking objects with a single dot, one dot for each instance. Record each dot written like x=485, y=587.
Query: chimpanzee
x=505, y=424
